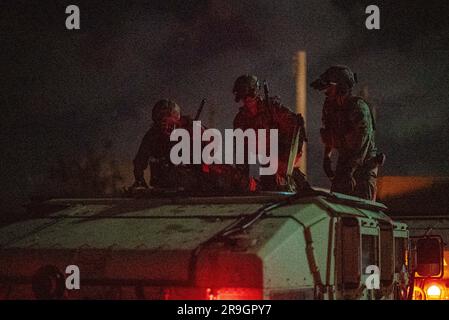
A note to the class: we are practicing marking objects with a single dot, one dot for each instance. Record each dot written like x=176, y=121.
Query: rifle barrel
x=200, y=109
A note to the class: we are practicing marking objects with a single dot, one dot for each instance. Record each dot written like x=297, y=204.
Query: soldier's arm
x=142, y=157
x=357, y=138
x=325, y=131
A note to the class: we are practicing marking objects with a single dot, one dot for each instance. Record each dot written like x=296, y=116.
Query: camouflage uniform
x=273, y=116
x=155, y=151
x=348, y=128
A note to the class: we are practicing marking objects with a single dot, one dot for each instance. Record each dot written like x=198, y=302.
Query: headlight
x=434, y=292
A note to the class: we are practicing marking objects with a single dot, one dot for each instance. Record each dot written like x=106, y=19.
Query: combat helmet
x=245, y=85
x=339, y=75
x=164, y=108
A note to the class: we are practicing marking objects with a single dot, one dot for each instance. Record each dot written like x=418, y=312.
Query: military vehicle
x=434, y=287
x=421, y=203
x=314, y=245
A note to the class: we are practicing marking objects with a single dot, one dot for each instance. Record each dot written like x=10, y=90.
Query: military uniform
x=348, y=127
x=154, y=150
x=350, y=130
x=276, y=116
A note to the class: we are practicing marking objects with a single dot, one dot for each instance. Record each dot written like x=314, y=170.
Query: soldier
x=348, y=128
x=155, y=150
x=257, y=113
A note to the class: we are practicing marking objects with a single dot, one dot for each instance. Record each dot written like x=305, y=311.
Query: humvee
x=278, y=245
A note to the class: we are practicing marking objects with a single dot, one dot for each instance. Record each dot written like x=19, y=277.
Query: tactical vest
x=336, y=121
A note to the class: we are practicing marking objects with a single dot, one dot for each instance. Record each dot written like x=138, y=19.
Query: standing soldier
x=348, y=128
x=257, y=113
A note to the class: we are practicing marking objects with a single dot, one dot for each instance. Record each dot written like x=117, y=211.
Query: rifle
x=299, y=137
x=267, y=100
x=200, y=109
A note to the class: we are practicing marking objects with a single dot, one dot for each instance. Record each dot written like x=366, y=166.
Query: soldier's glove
x=380, y=158
x=281, y=180
x=253, y=185
x=327, y=167
x=377, y=161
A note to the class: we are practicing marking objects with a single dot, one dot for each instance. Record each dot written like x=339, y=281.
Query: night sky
x=77, y=103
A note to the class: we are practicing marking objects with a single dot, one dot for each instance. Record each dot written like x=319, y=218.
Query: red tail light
x=212, y=294
x=236, y=294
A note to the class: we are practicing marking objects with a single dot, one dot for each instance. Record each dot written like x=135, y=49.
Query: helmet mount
x=338, y=75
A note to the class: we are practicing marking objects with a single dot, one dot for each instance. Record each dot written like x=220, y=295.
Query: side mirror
x=428, y=256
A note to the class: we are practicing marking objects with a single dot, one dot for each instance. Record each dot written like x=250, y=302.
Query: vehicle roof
x=118, y=216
